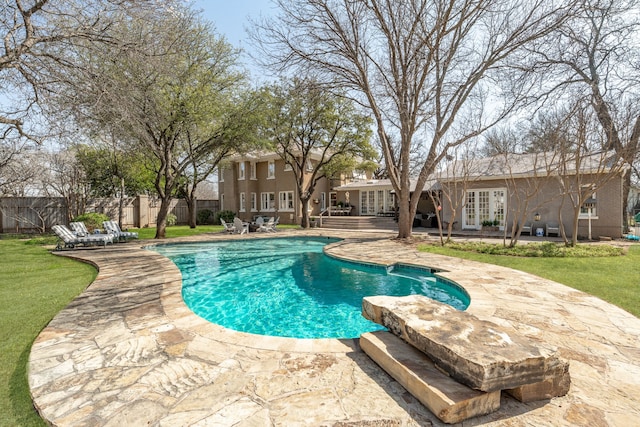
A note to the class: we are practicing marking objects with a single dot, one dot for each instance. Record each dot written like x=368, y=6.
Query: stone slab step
x=449, y=400
x=477, y=353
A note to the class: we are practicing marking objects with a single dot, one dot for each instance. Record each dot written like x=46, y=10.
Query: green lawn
x=34, y=286
x=615, y=279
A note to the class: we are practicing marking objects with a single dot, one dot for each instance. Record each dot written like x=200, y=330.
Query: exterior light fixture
x=536, y=217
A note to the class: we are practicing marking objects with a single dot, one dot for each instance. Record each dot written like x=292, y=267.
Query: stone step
x=449, y=400
x=359, y=223
x=478, y=353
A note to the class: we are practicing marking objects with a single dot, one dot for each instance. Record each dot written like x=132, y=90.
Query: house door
x=374, y=201
x=484, y=205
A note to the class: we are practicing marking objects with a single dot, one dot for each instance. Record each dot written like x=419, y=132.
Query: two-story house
x=262, y=184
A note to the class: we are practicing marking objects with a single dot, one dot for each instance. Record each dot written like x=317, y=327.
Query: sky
x=231, y=18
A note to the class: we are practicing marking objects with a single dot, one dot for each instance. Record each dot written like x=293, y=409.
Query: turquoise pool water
x=288, y=287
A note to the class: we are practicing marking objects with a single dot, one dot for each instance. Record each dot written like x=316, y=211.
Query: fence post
x=143, y=210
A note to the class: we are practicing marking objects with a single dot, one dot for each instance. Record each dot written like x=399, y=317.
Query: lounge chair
x=81, y=230
x=553, y=228
x=229, y=228
x=267, y=227
x=71, y=240
x=113, y=228
x=526, y=228
x=240, y=227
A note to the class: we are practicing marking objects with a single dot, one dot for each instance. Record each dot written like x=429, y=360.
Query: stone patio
x=128, y=351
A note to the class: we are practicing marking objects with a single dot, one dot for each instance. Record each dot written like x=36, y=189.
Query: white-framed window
x=484, y=205
x=589, y=206
x=267, y=202
x=287, y=167
x=286, y=201
x=220, y=174
x=221, y=202
x=241, y=170
x=323, y=201
x=309, y=166
x=243, y=202
x=271, y=169
x=254, y=202
x=252, y=170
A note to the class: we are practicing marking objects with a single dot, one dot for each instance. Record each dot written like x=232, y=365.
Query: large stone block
x=556, y=383
x=449, y=400
x=475, y=352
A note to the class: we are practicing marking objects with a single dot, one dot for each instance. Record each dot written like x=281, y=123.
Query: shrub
x=171, y=220
x=92, y=220
x=226, y=215
x=204, y=216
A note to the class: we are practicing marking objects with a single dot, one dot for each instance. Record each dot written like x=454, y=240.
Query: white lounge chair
x=267, y=227
x=229, y=228
x=112, y=227
x=240, y=227
x=80, y=229
x=71, y=240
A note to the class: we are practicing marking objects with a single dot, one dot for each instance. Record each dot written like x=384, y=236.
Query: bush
x=226, y=215
x=92, y=220
x=204, y=216
x=171, y=220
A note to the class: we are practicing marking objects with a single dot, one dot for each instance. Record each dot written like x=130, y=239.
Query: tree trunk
x=304, y=219
x=405, y=217
x=121, y=203
x=191, y=207
x=161, y=222
x=626, y=188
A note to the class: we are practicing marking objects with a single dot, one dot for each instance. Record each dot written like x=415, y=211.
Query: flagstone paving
x=128, y=351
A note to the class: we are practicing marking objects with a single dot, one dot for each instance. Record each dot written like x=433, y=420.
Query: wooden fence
x=39, y=214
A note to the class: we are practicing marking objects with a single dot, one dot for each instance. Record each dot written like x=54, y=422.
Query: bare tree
x=585, y=166
x=36, y=39
x=596, y=52
x=424, y=68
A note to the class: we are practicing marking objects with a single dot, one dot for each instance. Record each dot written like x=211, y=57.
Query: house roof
x=384, y=184
x=514, y=165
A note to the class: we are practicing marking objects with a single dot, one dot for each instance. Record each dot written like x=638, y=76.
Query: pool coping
x=70, y=358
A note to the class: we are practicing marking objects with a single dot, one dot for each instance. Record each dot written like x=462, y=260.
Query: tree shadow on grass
x=24, y=413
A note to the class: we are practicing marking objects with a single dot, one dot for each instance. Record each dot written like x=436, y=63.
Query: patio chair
x=267, y=227
x=526, y=228
x=553, y=228
x=80, y=229
x=275, y=224
x=113, y=228
x=228, y=227
x=240, y=227
x=72, y=240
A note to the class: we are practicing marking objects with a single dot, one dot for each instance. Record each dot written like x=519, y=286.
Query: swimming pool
x=288, y=287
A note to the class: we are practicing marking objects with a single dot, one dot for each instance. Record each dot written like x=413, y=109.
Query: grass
x=615, y=279
x=35, y=285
